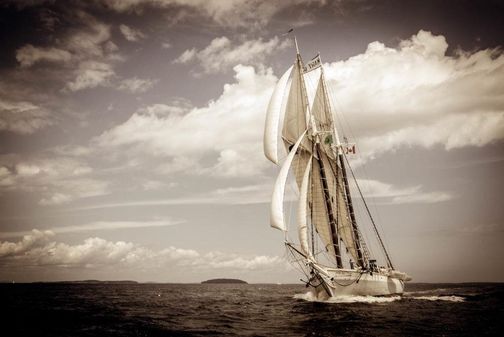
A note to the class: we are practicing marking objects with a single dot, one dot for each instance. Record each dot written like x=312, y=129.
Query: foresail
x=323, y=119
x=273, y=116
x=302, y=212
x=294, y=122
x=277, y=212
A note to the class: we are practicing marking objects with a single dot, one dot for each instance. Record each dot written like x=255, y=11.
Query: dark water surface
x=54, y=309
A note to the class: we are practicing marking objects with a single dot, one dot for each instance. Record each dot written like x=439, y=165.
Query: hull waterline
x=354, y=283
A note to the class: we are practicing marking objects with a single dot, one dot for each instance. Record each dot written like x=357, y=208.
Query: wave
x=451, y=298
x=310, y=297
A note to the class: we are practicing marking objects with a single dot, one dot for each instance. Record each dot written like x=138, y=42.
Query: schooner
x=330, y=248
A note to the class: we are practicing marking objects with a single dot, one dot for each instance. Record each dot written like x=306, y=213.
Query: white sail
x=273, y=117
x=302, y=212
x=319, y=210
x=277, y=213
x=323, y=120
x=294, y=122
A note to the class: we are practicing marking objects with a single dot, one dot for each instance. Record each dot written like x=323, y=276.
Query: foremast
x=316, y=152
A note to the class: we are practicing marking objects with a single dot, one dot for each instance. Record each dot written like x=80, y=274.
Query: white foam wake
x=309, y=296
x=451, y=298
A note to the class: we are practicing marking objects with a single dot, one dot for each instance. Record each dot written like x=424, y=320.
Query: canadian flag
x=350, y=148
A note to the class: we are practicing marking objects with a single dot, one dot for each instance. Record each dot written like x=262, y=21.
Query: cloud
x=28, y=55
x=186, y=56
x=58, y=180
x=64, y=191
x=250, y=14
x=91, y=74
x=260, y=192
x=23, y=117
x=156, y=185
x=166, y=45
x=422, y=198
x=33, y=239
x=98, y=226
x=399, y=195
x=35, y=250
x=90, y=40
x=417, y=95
x=221, y=54
x=131, y=34
x=412, y=95
x=229, y=127
x=84, y=50
x=136, y=85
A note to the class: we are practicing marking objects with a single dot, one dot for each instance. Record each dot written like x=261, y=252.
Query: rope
x=389, y=262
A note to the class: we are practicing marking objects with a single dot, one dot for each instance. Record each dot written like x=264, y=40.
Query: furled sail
x=302, y=212
x=277, y=213
x=273, y=115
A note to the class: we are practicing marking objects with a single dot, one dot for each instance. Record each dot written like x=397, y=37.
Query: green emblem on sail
x=328, y=140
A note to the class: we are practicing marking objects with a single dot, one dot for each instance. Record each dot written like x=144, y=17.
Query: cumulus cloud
x=23, y=117
x=30, y=241
x=417, y=95
x=131, y=34
x=222, y=54
x=231, y=126
x=36, y=250
x=411, y=95
x=136, y=85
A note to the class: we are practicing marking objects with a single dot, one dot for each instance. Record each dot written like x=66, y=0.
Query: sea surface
x=58, y=309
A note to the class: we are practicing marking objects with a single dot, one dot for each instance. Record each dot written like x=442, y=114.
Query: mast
x=389, y=260
x=339, y=157
x=351, y=211
x=322, y=172
x=330, y=215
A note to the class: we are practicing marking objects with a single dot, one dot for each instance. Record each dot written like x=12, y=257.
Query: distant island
x=91, y=282
x=224, y=280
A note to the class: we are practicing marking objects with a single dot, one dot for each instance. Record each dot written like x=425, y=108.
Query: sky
x=131, y=134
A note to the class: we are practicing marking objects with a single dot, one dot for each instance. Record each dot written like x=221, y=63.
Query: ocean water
x=53, y=309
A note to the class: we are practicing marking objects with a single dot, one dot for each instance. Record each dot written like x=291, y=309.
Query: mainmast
x=339, y=155
x=322, y=171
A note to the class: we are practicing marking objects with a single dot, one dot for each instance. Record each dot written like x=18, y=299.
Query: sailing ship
x=330, y=248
